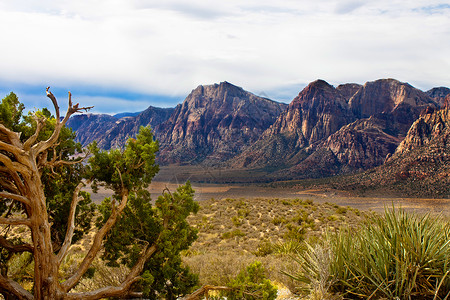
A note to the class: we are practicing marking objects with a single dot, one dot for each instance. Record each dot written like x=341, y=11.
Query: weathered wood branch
x=124, y=288
x=16, y=289
x=4, y=243
x=16, y=197
x=13, y=137
x=8, y=184
x=11, y=149
x=14, y=166
x=11, y=166
x=44, y=145
x=70, y=224
x=55, y=102
x=96, y=244
x=15, y=221
x=40, y=122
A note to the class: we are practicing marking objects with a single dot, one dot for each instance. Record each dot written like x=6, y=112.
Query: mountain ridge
x=324, y=131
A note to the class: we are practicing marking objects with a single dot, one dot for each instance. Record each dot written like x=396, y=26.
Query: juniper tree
x=41, y=190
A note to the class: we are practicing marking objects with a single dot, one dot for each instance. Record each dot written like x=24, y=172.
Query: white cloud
x=171, y=47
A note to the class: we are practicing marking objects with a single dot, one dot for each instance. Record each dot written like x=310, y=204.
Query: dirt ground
x=206, y=191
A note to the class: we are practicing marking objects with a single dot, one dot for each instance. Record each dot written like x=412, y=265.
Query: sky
x=124, y=55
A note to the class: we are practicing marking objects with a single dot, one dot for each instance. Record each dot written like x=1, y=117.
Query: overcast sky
x=124, y=55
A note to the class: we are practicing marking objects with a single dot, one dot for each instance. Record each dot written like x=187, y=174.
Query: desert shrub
x=341, y=210
x=237, y=220
x=232, y=234
x=395, y=256
x=265, y=247
x=286, y=202
x=302, y=218
x=243, y=212
x=295, y=232
x=252, y=283
x=279, y=220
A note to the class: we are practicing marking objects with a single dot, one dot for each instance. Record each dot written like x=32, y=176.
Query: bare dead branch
x=54, y=101
x=11, y=149
x=12, y=171
x=7, y=182
x=15, y=288
x=123, y=288
x=15, y=248
x=44, y=145
x=13, y=137
x=70, y=224
x=15, y=221
x=96, y=244
x=40, y=122
x=16, y=197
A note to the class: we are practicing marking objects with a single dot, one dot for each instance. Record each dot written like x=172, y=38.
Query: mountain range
x=324, y=131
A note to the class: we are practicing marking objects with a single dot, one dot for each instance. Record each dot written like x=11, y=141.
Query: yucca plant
x=396, y=256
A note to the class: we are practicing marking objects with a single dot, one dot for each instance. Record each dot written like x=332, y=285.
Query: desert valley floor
x=206, y=191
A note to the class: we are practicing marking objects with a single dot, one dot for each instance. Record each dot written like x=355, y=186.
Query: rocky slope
x=385, y=110
x=324, y=131
x=439, y=94
x=317, y=112
x=420, y=165
x=91, y=127
x=112, y=132
x=215, y=123
x=328, y=131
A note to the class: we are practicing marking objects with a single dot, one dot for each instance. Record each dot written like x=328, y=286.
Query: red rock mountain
x=328, y=131
x=420, y=165
x=324, y=131
x=439, y=94
x=215, y=123
x=385, y=110
x=317, y=112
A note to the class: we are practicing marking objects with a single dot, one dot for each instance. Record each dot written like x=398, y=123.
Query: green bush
x=252, y=283
x=395, y=256
x=232, y=234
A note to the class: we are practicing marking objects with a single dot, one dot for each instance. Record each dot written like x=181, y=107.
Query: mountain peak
x=320, y=84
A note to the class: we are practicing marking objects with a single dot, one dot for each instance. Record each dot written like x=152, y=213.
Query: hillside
x=215, y=123
x=420, y=166
x=324, y=131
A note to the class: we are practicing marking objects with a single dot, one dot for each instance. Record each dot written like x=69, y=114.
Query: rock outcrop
x=420, y=165
x=324, y=131
x=439, y=94
x=385, y=110
x=317, y=112
x=215, y=123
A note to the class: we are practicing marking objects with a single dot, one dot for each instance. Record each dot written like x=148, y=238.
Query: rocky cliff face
x=385, y=110
x=328, y=131
x=214, y=123
x=91, y=127
x=111, y=132
x=358, y=146
x=389, y=96
x=420, y=165
x=439, y=94
x=317, y=112
x=324, y=131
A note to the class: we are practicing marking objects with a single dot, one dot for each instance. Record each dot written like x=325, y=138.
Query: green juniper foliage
x=59, y=182
x=141, y=225
x=252, y=283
